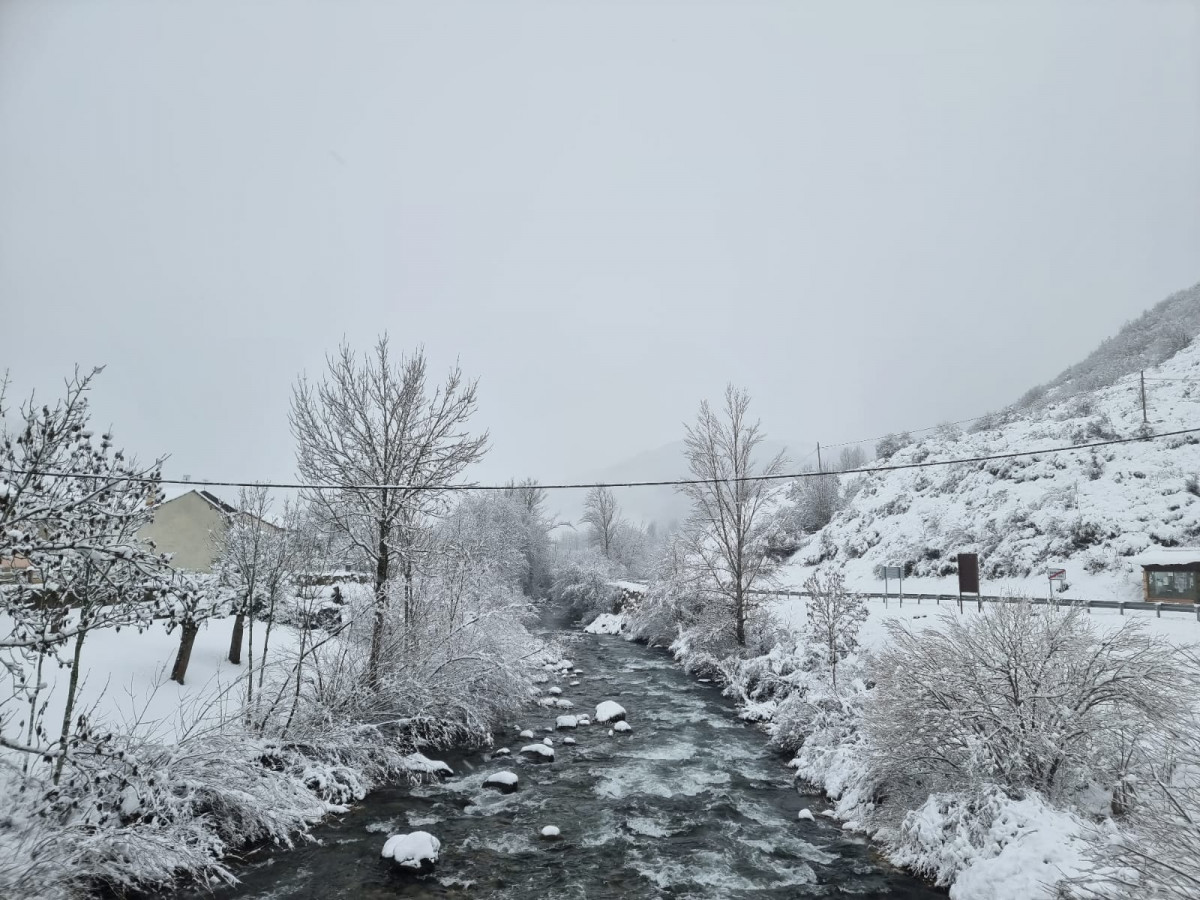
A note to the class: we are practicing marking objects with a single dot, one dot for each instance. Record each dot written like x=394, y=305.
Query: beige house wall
x=189, y=528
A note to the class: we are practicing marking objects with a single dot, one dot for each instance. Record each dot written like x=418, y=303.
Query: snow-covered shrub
x=583, y=584
x=1021, y=697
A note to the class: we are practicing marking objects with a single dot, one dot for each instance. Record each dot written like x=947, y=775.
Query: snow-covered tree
x=833, y=617
x=603, y=516
x=373, y=420
x=71, y=506
x=728, y=523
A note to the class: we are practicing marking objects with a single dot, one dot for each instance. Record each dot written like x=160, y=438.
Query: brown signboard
x=968, y=573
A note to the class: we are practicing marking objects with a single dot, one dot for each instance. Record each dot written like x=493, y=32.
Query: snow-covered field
x=124, y=677
x=1177, y=627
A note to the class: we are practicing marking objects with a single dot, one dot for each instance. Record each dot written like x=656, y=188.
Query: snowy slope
x=1089, y=511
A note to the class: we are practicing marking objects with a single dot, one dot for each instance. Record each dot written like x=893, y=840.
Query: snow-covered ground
x=1177, y=627
x=125, y=676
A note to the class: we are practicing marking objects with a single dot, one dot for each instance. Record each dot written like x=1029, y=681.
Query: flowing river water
x=690, y=804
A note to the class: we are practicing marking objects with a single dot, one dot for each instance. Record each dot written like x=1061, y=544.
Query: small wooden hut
x=1170, y=575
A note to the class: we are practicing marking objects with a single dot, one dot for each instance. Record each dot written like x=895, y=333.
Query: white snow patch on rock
x=566, y=722
x=550, y=832
x=412, y=851
x=563, y=704
x=569, y=740
x=539, y=750
x=806, y=815
x=609, y=711
x=527, y=734
x=419, y=762
x=606, y=623
x=622, y=727
x=555, y=690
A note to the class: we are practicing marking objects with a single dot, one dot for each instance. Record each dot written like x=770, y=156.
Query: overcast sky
x=872, y=216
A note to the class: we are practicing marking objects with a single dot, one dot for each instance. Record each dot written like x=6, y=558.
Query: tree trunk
x=381, y=577
x=187, y=638
x=72, y=690
x=235, y=643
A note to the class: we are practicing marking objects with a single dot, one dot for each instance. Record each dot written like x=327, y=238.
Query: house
x=1170, y=575
x=190, y=526
x=15, y=569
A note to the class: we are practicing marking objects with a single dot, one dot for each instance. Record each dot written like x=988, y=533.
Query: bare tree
x=600, y=511
x=374, y=421
x=852, y=458
x=728, y=501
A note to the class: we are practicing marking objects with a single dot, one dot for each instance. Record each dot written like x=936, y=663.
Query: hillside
x=1089, y=511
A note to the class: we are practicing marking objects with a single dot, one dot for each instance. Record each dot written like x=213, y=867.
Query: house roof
x=1168, y=556
x=211, y=499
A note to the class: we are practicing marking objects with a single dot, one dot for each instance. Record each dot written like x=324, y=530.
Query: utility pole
x=821, y=468
x=1145, y=418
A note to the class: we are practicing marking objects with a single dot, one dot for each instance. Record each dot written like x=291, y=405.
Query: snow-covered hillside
x=1088, y=510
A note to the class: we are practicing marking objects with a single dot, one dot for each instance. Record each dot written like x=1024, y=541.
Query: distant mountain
x=663, y=505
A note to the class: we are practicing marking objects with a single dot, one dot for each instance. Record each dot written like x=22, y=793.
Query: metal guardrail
x=1121, y=606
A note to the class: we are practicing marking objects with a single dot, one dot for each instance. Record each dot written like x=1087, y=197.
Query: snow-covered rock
x=548, y=742
x=555, y=690
x=607, y=623
x=527, y=734
x=503, y=751
x=504, y=782
x=622, y=727
x=574, y=684
x=805, y=815
x=609, y=711
x=418, y=850
x=538, y=752
x=569, y=740
x=566, y=722
x=583, y=720
x=546, y=701
x=551, y=833
x=563, y=704
x=419, y=762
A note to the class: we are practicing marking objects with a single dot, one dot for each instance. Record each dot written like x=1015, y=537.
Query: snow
x=607, y=623
x=555, y=690
x=1025, y=848
x=506, y=781
x=633, y=587
x=418, y=762
x=569, y=740
x=1167, y=556
x=805, y=815
x=539, y=750
x=503, y=751
x=527, y=734
x=609, y=711
x=563, y=704
x=412, y=851
x=124, y=675
x=548, y=742
x=622, y=727
x=550, y=832
x=566, y=722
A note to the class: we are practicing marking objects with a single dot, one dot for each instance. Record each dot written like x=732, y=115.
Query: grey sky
x=873, y=216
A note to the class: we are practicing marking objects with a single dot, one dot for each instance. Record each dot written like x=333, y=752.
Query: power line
x=866, y=470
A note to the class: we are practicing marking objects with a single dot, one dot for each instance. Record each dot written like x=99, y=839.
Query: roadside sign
x=1056, y=574
x=890, y=572
x=968, y=573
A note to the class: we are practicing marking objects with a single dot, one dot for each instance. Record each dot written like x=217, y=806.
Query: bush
x=1020, y=697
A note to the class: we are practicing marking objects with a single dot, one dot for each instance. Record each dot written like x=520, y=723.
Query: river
x=690, y=804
